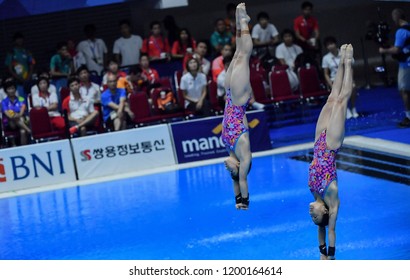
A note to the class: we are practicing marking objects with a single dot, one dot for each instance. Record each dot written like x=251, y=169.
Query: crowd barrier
x=121, y=152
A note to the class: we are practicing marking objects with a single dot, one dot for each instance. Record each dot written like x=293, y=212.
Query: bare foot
x=343, y=53
x=349, y=53
x=242, y=13
x=232, y=166
x=237, y=18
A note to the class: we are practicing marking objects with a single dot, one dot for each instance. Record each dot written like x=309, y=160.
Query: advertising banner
x=201, y=139
x=36, y=165
x=123, y=151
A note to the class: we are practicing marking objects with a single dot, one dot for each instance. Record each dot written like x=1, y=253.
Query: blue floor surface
x=190, y=214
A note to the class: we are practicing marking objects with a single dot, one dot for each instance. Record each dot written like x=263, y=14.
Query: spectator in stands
x=51, y=88
x=61, y=66
x=330, y=64
x=20, y=63
x=149, y=75
x=183, y=45
x=194, y=89
x=3, y=94
x=88, y=89
x=218, y=64
x=50, y=101
x=230, y=21
x=13, y=109
x=156, y=46
x=171, y=29
x=127, y=48
x=286, y=53
x=134, y=82
x=93, y=49
x=82, y=114
x=78, y=57
x=264, y=35
x=115, y=106
x=199, y=54
x=113, y=68
x=220, y=37
x=306, y=28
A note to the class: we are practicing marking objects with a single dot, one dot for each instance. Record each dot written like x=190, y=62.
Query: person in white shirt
x=286, y=53
x=81, y=109
x=127, y=48
x=194, y=88
x=264, y=35
x=93, y=49
x=51, y=88
x=330, y=63
x=88, y=89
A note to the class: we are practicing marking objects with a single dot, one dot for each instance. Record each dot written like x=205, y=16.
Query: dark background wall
x=346, y=20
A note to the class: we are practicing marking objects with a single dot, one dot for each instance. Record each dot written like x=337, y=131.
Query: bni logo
x=3, y=177
x=209, y=143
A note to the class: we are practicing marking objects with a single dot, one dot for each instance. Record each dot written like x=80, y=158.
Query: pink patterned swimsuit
x=322, y=169
x=232, y=123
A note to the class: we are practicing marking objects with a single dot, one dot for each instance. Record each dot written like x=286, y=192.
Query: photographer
x=401, y=51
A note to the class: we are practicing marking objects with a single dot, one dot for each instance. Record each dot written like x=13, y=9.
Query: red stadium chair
x=280, y=87
x=155, y=94
x=213, y=98
x=259, y=91
x=41, y=128
x=310, y=86
x=141, y=108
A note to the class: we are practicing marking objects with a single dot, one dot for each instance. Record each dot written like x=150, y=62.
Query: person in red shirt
x=156, y=46
x=306, y=28
x=184, y=44
x=149, y=75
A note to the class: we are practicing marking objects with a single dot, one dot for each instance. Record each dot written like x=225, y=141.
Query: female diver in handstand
x=329, y=137
x=235, y=125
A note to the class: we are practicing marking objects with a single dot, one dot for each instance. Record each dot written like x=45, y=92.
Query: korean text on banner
x=36, y=165
x=123, y=151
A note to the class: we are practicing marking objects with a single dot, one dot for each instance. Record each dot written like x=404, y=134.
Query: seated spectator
x=3, y=94
x=14, y=109
x=149, y=75
x=113, y=68
x=93, y=49
x=134, y=82
x=220, y=37
x=264, y=35
x=194, y=89
x=78, y=57
x=286, y=53
x=88, y=89
x=61, y=66
x=183, y=45
x=127, y=48
x=218, y=64
x=330, y=63
x=156, y=46
x=50, y=101
x=82, y=114
x=199, y=54
x=51, y=88
x=115, y=106
x=167, y=102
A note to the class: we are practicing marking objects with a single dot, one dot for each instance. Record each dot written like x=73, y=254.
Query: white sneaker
x=354, y=113
x=348, y=114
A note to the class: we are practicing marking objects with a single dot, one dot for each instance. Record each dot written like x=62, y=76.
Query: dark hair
x=9, y=83
x=287, y=31
x=400, y=13
x=218, y=20
x=82, y=68
x=135, y=70
x=189, y=45
x=42, y=78
x=329, y=40
x=187, y=63
x=125, y=21
x=17, y=35
x=227, y=60
x=155, y=22
x=325, y=220
x=72, y=79
x=89, y=29
x=144, y=54
x=306, y=4
x=42, y=71
x=263, y=15
x=201, y=41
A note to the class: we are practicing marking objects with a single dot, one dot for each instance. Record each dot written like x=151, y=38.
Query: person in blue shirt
x=401, y=51
x=115, y=106
x=13, y=109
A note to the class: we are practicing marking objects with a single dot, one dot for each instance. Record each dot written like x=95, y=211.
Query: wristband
x=332, y=251
x=322, y=249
